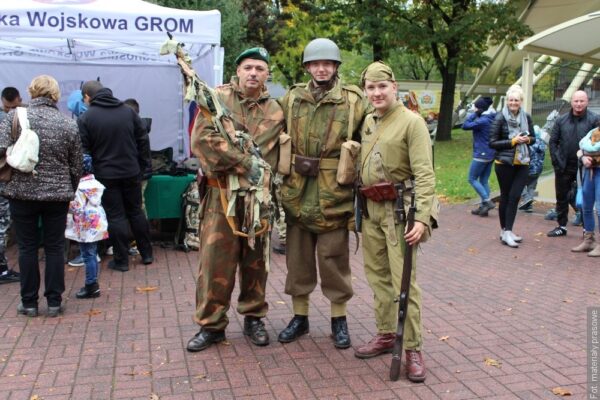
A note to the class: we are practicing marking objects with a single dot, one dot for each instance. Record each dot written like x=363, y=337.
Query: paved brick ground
x=524, y=308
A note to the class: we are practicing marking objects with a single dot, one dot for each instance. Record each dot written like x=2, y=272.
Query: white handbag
x=23, y=155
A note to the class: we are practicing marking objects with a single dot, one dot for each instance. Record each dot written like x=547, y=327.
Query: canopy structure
x=117, y=41
x=573, y=39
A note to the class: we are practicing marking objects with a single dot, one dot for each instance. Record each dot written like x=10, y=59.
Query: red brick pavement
x=523, y=307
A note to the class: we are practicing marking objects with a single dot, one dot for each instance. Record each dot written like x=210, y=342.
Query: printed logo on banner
x=62, y=2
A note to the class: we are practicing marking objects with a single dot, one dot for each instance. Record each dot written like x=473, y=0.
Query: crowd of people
x=324, y=142
x=61, y=198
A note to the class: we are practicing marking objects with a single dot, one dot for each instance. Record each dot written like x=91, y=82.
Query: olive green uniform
x=395, y=147
x=221, y=250
x=318, y=210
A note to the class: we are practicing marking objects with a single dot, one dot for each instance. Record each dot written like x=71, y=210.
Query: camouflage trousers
x=4, y=227
x=221, y=252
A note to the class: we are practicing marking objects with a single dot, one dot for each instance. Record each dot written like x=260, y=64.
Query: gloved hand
x=253, y=174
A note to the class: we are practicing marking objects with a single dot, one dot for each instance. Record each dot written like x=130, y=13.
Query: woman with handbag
x=511, y=135
x=43, y=195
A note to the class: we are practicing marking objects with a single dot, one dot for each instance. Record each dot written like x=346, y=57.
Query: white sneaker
x=516, y=238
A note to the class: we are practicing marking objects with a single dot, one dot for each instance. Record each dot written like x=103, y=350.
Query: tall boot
x=588, y=243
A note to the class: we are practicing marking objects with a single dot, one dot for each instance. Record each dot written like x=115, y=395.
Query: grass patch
x=452, y=160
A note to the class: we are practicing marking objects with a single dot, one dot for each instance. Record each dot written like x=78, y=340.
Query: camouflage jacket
x=262, y=119
x=318, y=129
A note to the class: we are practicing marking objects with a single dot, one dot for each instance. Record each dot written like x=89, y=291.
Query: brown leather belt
x=215, y=182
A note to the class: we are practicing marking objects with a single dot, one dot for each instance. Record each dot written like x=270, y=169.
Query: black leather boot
x=204, y=339
x=89, y=291
x=339, y=332
x=255, y=329
x=297, y=327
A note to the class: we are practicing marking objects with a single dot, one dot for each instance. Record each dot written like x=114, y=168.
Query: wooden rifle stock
x=405, y=286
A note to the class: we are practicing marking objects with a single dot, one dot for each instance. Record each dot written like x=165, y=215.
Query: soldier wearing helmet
x=320, y=115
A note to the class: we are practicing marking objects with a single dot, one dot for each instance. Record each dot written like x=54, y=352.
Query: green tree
x=455, y=33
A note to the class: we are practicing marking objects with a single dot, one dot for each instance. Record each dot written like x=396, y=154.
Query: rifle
x=402, y=299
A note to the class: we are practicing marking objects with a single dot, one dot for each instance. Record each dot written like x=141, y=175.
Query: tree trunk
x=444, y=127
x=377, y=51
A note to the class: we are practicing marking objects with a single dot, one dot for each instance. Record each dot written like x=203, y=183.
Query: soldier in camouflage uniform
x=254, y=112
x=320, y=115
x=396, y=147
x=10, y=100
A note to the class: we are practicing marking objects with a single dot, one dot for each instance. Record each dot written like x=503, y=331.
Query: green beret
x=375, y=72
x=255, y=53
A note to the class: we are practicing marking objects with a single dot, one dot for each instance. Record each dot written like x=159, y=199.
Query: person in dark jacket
x=43, y=195
x=481, y=166
x=568, y=130
x=113, y=134
x=511, y=135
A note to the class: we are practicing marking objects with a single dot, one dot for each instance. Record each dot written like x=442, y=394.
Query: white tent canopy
x=118, y=41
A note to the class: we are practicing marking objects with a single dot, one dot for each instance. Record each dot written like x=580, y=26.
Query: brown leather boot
x=415, y=367
x=382, y=343
x=587, y=244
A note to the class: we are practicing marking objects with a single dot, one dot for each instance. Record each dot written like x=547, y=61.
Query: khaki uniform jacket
x=318, y=129
x=401, y=141
x=262, y=119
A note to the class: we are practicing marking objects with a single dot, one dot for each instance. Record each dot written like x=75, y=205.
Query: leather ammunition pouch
x=381, y=191
x=306, y=166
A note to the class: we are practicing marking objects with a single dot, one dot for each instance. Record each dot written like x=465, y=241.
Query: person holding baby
x=589, y=155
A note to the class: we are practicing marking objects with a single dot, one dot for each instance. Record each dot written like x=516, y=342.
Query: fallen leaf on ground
x=146, y=289
x=490, y=362
x=93, y=312
x=472, y=250
x=508, y=309
x=539, y=234
x=226, y=343
x=280, y=302
x=539, y=264
x=201, y=376
x=560, y=391
x=567, y=300
x=444, y=338
x=71, y=269
x=35, y=397
x=154, y=396
x=523, y=301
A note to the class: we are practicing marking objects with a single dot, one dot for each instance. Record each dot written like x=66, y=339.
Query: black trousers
x=122, y=201
x=26, y=216
x=512, y=179
x=563, y=185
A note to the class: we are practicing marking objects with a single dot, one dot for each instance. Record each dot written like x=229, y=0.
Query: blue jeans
x=89, y=252
x=591, y=196
x=479, y=174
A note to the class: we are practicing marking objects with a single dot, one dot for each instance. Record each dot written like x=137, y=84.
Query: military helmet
x=321, y=49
